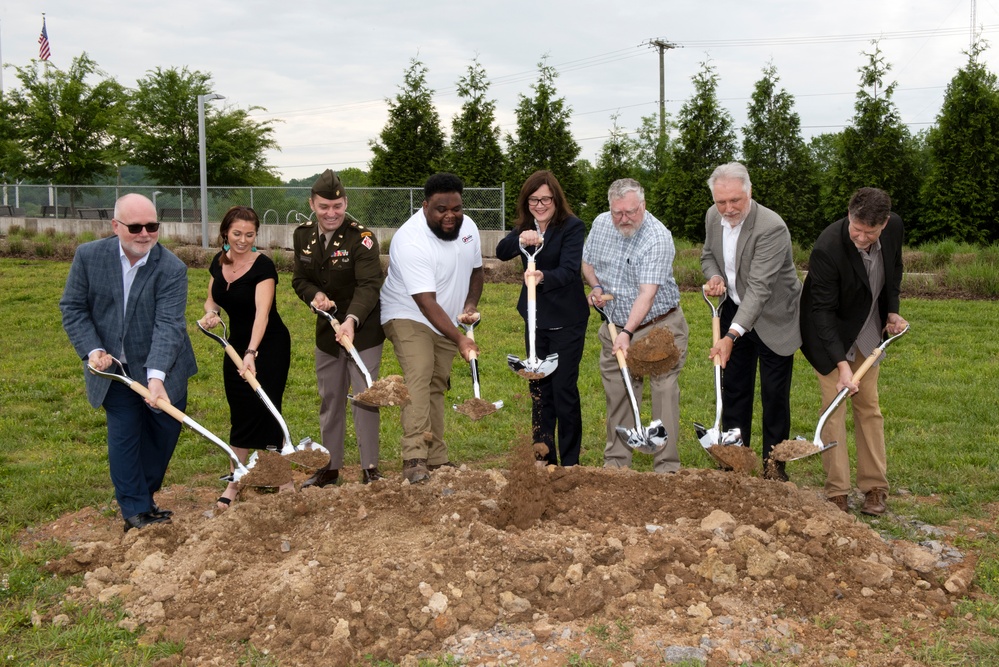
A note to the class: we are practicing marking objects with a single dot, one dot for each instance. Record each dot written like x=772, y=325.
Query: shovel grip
x=531, y=281
x=161, y=404
x=620, y=353
x=716, y=336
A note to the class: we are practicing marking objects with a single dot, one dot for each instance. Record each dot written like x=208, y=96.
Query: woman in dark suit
x=562, y=313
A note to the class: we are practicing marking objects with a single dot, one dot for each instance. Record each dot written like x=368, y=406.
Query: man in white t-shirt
x=434, y=279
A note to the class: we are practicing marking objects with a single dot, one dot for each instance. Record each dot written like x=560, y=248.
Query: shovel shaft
x=532, y=314
x=626, y=376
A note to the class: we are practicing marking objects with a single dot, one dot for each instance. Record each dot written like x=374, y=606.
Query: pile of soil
x=529, y=375
x=789, y=450
x=270, y=469
x=654, y=354
x=476, y=408
x=387, y=392
x=738, y=458
x=310, y=458
x=535, y=565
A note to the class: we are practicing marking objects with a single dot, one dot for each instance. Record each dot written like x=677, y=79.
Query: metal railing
x=374, y=207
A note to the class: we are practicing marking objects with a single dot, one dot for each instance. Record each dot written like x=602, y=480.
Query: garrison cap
x=328, y=185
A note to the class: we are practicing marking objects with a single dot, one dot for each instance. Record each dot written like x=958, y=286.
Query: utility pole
x=662, y=46
x=974, y=20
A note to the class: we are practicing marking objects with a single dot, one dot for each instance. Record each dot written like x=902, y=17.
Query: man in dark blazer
x=851, y=296
x=126, y=297
x=747, y=254
x=337, y=265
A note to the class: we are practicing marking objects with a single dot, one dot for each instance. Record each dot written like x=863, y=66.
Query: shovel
x=532, y=368
x=652, y=439
x=473, y=362
x=711, y=437
x=287, y=448
x=353, y=355
x=166, y=407
x=857, y=376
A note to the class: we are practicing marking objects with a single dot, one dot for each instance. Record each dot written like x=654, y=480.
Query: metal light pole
x=157, y=192
x=204, y=168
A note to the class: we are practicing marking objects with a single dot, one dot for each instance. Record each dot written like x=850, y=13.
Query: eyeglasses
x=630, y=213
x=136, y=228
x=539, y=201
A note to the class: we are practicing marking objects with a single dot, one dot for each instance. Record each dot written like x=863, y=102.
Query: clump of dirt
x=540, y=450
x=309, y=458
x=270, y=469
x=736, y=457
x=517, y=567
x=389, y=391
x=654, y=354
x=476, y=408
x=528, y=375
x=789, y=450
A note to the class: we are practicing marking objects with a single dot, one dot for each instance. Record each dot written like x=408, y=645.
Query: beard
x=439, y=232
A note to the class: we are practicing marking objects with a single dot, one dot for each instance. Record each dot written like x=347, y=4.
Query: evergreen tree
x=412, y=142
x=706, y=140
x=164, y=118
x=474, y=153
x=652, y=150
x=543, y=141
x=877, y=149
x=778, y=160
x=68, y=130
x=617, y=160
x=825, y=151
x=961, y=194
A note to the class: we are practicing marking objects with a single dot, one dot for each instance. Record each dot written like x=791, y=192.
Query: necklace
x=235, y=273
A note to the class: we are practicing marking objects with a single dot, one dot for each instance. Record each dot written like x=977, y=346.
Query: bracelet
x=250, y=351
x=598, y=286
x=630, y=334
x=729, y=334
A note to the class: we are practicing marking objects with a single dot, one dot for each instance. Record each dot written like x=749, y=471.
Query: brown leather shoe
x=875, y=502
x=840, y=502
x=415, y=470
x=371, y=475
x=438, y=466
x=322, y=477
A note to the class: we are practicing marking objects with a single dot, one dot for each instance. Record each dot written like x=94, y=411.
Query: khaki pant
x=335, y=377
x=665, y=398
x=868, y=430
x=426, y=359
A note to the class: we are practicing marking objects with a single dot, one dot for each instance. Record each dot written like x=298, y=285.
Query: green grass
x=937, y=390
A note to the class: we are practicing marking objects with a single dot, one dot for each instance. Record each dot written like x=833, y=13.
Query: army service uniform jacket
x=349, y=272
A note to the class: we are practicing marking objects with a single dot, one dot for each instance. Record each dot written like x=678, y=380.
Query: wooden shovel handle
x=250, y=377
x=160, y=403
x=716, y=336
x=532, y=285
x=620, y=353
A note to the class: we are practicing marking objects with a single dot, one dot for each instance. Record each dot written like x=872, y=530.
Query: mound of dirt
x=519, y=567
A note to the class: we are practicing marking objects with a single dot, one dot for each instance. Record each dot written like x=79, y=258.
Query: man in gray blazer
x=126, y=297
x=747, y=252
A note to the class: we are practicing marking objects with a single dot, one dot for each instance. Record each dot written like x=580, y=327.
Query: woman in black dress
x=562, y=313
x=243, y=283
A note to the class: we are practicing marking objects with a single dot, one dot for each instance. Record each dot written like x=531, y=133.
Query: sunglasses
x=136, y=228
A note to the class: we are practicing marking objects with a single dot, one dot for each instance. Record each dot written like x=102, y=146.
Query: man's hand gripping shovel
x=532, y=368
x=713, y=437
x=468, y=408
x=652, y=439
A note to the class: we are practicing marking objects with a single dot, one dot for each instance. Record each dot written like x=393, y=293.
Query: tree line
x=942, y=181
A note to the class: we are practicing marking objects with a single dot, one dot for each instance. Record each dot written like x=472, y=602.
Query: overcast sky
x=325, y=69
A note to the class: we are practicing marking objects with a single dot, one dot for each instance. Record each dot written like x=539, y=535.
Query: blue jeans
x=140, y=444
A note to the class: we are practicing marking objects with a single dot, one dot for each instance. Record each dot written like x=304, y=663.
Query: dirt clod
x=788, y=450
x=528, y=375
x=654, y=354
x=309, y=458
x=387, y=392
x=476, y=408
x=740, y=459
x=271, y=469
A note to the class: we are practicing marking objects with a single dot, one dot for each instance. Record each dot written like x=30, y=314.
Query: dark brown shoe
x=840, y=502
x=415, y=470
x=371, y=475
x=144, y=519
x=321, y=478
x=438, y=466
x=875, y=502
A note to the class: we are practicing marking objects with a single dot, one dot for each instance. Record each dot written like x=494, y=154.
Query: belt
x=654, y=320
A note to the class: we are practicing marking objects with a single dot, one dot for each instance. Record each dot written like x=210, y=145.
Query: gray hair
x=732, y=171
x=621, y=187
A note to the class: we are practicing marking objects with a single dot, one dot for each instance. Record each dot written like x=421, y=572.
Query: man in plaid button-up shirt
x=629, y=254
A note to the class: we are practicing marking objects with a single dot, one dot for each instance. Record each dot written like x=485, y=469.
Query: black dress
x=253, y=425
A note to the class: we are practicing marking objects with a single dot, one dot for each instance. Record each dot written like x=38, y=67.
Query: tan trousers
x=335, y=376
x=426, y=359
x=868, y=430
x=665, y=398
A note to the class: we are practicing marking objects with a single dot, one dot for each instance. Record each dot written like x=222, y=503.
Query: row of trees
x=942, y=181
x=65, y=127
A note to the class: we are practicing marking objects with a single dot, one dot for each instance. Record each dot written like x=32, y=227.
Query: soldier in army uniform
x=337, y=266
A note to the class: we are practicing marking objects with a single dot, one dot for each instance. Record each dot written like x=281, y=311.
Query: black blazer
x=561, y=299
x=836, y=296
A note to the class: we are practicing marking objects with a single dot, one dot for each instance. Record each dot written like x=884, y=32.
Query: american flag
x=43, y=43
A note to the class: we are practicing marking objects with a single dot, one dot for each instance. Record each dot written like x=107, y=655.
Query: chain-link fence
x=373, y=207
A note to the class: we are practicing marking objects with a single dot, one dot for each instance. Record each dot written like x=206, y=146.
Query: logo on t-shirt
x=466, y=239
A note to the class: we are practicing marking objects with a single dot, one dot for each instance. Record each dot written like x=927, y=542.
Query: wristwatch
x=729, y=334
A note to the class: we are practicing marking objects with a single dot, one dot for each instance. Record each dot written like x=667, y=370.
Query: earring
x=225, y=247
x=253, y=249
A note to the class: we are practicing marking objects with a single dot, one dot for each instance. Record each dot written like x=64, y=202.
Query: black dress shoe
x=322, y=478
x=144, y=519
x=159, y=511
x=371, y=475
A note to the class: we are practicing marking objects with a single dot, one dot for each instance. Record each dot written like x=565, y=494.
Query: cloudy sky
x=325, y=69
